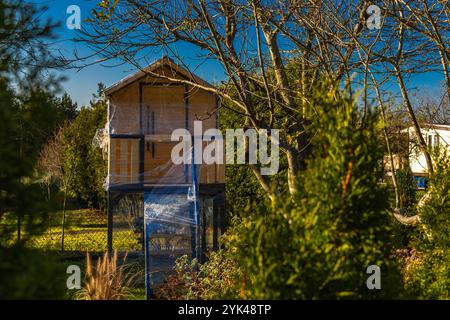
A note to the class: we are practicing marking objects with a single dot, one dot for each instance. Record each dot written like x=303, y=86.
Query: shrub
x=406, y=188
x=428, y=273
x=30, y=274
x=218, y=278
x=319, y=243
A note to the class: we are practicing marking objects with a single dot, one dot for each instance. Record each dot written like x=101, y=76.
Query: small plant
x=407, y=188
x=108, y=280
x=218, y=278
x=428, y=274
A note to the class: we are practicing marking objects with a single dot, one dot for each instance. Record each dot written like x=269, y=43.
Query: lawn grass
x=94, y=240
x=85, y=230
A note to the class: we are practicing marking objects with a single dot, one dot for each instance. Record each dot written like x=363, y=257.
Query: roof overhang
x=152, y=69
x=428, y=126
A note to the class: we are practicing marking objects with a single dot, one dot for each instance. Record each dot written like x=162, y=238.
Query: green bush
x=319, y=243
x=84, y=165
x=30, y=274
x=428, y=272
x=216, y=279
x=406, y=188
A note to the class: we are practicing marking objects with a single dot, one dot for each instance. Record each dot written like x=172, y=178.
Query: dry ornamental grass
x=108, y=280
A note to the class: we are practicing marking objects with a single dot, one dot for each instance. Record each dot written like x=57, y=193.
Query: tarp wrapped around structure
x=155, y=205
x=172, y=226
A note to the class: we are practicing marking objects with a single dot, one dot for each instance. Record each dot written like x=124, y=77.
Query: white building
x=435, y=135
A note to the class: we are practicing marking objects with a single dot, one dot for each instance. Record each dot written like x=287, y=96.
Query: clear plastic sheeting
x=169, y=208
x=171, y=231
x=172, y=226
x=100, y=140
x=155, y=206
x=141, y=119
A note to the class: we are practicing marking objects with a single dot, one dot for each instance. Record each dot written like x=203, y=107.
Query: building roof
x=153, y=67
x=436, y=126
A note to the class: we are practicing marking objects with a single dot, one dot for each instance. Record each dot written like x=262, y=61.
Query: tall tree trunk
x=386, y=138
x=63, y=222
x=412, y=115
x=292, y=172
x=390, y=155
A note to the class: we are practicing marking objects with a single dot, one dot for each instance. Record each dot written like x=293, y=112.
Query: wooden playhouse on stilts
x=155, y=206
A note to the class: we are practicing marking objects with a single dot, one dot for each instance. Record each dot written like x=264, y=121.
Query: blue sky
x=82, y=83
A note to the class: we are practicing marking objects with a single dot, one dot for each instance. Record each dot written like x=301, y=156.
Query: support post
x=142, y=160
x=110, y=221
x=202, y=226
x=148, y=289
x=215, y=224
x=196, y=209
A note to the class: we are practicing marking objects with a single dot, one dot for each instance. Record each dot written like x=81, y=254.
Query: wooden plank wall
x=124, y=161
x=151, y=107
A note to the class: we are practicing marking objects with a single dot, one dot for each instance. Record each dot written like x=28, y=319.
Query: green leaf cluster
x=84, y=166
x=319, y=243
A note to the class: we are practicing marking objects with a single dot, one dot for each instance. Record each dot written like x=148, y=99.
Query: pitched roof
x=165, y=61
x=436, y=126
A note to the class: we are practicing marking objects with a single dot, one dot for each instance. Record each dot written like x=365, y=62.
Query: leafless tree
x=256, y=41
x=253, y=41
x=50, y=162
x=51, y=165
x=413, y=39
